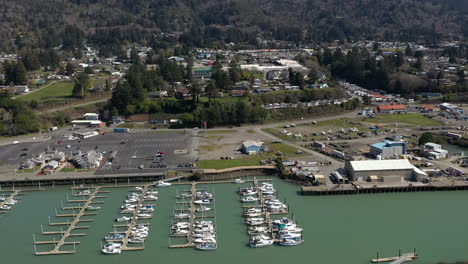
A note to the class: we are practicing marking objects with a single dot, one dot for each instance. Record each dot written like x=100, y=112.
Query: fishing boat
x=93, y=208
x=112, y=248
x=206, y=246
x=249, y=199
x=162, y=184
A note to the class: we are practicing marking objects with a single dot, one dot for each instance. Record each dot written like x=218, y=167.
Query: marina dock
x=133, y=223
x=71, y=226
x=192, y=211
x=13, y=193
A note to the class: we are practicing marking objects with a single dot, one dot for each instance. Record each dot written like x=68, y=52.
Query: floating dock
x=70, y=227
x=407, y=257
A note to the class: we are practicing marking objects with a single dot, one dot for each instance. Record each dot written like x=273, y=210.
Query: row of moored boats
x=203, y=231
x=264, y=231
x=133, y=209
x=6, y=203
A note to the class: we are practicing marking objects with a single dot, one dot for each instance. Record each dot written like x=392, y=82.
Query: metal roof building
x=381, y=168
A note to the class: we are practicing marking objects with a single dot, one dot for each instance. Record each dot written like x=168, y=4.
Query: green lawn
x=283, y=148
x=223, y=164
x=215, y=132
x=411, y=118
x=68, y=170
x=58, y=91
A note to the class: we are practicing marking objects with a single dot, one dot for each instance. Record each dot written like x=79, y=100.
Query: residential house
x=182, y=93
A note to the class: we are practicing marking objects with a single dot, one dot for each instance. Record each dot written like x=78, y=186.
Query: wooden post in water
x=399, y=253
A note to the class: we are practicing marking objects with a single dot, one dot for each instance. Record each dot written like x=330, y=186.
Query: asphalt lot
x=133, y=149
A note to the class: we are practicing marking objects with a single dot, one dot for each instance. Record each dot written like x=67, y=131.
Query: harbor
x=318, y=216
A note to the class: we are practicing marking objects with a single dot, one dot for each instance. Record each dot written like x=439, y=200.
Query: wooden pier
x=68, y=232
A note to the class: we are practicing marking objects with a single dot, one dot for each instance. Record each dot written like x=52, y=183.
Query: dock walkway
x=68, y=233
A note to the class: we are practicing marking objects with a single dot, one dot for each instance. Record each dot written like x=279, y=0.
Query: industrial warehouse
x=365, y=170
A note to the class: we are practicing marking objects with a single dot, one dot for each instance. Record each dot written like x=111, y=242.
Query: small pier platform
x=402, y=258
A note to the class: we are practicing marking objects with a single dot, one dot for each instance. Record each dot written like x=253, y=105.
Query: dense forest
x=50, y=23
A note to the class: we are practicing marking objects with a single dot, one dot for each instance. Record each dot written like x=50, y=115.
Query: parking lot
x=134, y=152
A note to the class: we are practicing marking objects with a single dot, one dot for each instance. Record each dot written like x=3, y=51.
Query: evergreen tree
x=69, y=69
x=81, y=86
x=20, y=74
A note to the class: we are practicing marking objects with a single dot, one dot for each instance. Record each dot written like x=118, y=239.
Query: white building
x=363, y=169
x=91, y=116
x=433, y=150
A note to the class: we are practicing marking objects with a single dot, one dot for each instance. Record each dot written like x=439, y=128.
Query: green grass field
x=58, y=91
x=411, y=119
x=283, y=148
x=223, y=164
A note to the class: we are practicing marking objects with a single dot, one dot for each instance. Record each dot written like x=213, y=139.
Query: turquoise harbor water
x=338, y=229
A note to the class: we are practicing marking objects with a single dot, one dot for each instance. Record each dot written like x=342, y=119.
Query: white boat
x=85, y=192
x=182, y=215
x=259, y=242
x=205, y=239
x=152, y=192
x=151, y=198
x=162, y=184
x=136, y=240
x=137, y=188
x=291, y=242
x=203, y=209
x=114, y=237
x=93, y=208
x=5, y=207
x=249, y=193
x=112, y=248
x=239, y=181
x=249, y=199
x=207, y=246
x=10, y=202
x=204, y=201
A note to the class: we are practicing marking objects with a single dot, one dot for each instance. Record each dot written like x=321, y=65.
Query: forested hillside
x=49, y=23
